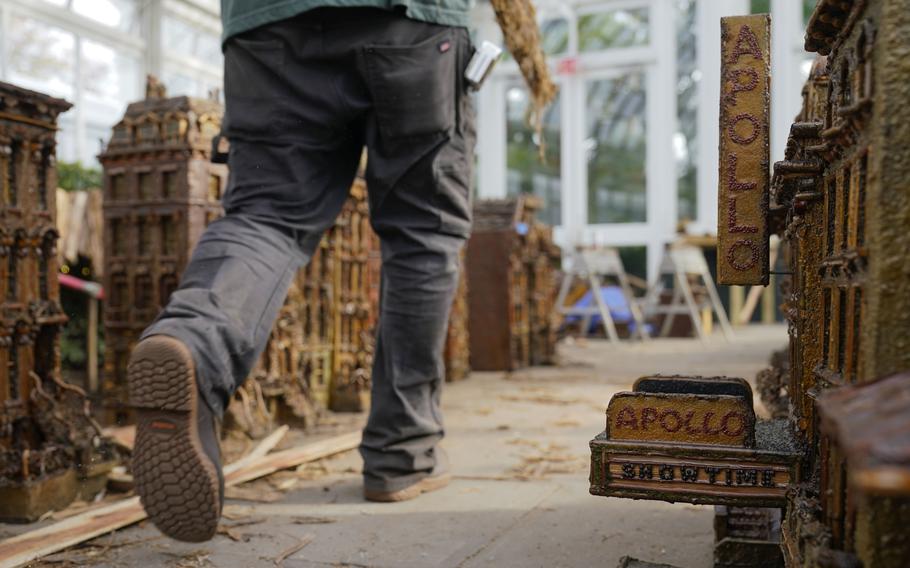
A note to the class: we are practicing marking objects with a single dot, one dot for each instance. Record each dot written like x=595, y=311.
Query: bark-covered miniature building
x=160, y=192
x=511, y=264
x=50, y=449
x=843, y=189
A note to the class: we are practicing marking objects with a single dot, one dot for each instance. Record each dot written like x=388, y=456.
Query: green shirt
x=241, y=15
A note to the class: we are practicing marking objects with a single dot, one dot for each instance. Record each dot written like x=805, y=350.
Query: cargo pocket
x=413, y=86
x=253, y=85
x=453, y=199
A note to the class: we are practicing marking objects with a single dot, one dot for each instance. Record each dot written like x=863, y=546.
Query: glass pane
x=635, y=261
x=526, y=173
x=185, y=39
x=120, y=14
x=616, y=149
x=42, y=57
x=109, y=76
x=179, y=84
x=760, y=6
x=208, y=48
x=685, y=140
x=555, y=36
x=178, y=36
x=614, y=28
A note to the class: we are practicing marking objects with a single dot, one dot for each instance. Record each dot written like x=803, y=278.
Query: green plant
x=73, y=176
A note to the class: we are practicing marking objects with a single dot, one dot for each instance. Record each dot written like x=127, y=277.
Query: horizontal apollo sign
x=714, y=420
x=744, y=161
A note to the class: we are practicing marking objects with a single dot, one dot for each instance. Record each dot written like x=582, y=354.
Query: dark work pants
x=304, y=96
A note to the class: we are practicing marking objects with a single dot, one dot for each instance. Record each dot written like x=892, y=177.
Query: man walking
x=308, y=84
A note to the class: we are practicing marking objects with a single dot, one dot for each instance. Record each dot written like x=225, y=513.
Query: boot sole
x=425, y=485
x=176, y=481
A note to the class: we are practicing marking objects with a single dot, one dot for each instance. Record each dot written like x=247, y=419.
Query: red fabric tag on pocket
x=445, y=46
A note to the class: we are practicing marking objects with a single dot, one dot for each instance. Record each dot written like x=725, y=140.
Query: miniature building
x=348, y=247
x=843, y=190
x=866, y=431
x=511, y=263
x=160, y=192
x=49, y=445
x=838, y=466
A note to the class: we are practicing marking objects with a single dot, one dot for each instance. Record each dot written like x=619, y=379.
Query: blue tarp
x=616, y=303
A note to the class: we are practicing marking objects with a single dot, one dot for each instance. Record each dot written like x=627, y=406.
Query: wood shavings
x=300, y=545
x=541, y=399
x=257, y=494
x=549, y=460
x=313, y=520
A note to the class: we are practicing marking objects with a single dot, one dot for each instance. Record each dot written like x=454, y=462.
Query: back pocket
x=413, y=86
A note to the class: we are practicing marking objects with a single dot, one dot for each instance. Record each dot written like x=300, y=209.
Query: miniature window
x=4, y=173
x=13, y=367
x=831, y=197
x=168, y=184
x=118, y=290
x=143, y=291
x=148, y=133
x=118, y=241
x=826, y=343
x=846, y=91
x=122, y=135
x=167, y=287
x=12, y=273
x=42, y=276
x=172, y=131
x=12, y=192
x=168, y=236
x=841, y=331
x=118, y=187
x=857, y=318
x=845, y=216
x=214, y=188
x=861, y=202
x=859, y=82
x=145, y=237
x=43, y=170
x=146, y=187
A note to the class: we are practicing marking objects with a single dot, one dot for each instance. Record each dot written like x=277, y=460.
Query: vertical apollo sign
x=744, y=184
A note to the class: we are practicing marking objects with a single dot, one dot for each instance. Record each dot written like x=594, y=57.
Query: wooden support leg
x=633, y=307
x=608, y=324
x=671, y=314
x=683, y=281
x=718, y=307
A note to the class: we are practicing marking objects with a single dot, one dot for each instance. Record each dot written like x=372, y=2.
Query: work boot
x=436, y=480
x=176, y=459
